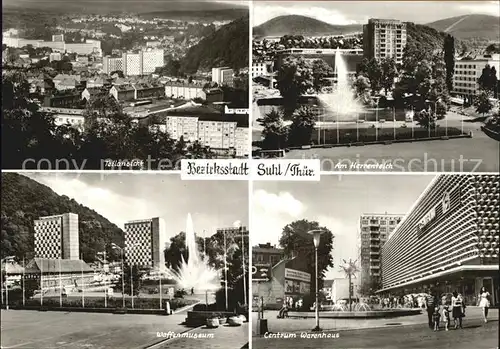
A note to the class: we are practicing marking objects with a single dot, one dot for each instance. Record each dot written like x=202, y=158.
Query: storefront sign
x=297, y=275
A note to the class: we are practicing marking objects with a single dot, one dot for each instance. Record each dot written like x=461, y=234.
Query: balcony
x=375, y=267
x=374, y=253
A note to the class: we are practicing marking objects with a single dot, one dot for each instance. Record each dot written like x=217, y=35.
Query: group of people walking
x=440, y=310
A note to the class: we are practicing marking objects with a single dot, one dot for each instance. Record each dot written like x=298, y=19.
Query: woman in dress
x=456, y=312
x=484, y=302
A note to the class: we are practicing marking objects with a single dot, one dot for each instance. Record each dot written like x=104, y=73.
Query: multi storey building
x=260, y=69
x=374, y=232
x=223, y=76
x=145, y=242
x=56, y=237
x=384, y=38
x=152, y=59
x=448, y=241
x=222, y=133
x=111, y=64
x=134, y=63
x=468, y=71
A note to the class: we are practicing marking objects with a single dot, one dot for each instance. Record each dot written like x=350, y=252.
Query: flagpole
x=394, y=121
x=24, y=292
x=1, y=280
x=60, y=284
x=160, y=292
x=41, y=282
x=376, y=123
x=83, y=285
x=225, y=267
x=131, y=286
x=243, y=265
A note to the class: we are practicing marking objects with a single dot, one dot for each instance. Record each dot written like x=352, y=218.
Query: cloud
x=262, y=13
x=282, y=203
x=487, y=8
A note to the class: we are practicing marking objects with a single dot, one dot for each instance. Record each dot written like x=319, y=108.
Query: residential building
x=145, y=242
x=58, y=37
x=226, y=134
x=57, y=237
x=267, y=254
x=132, y=63
x=260, y=68
x=183, y=91
x=374, y=232
x=91, y=92
x=449, y=240
x=384, y=38
x=235, y=233
x=148, y=90
x=68, y=100
x=468, y=71
x=123, y=92
x=67, y=116
x=111, y=64
x=84, y=48
x=55, y=56
x=151, y=59
x=223, y=76
x=287, y=281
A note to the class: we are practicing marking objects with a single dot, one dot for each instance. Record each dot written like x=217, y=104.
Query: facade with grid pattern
x=145, y=243
x=448, y=241
x=57, y=237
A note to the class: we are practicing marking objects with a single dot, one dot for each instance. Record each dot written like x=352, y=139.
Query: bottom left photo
x=123, y=260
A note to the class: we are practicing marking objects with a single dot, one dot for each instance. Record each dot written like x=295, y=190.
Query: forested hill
x=228, y=46
x=24, y=200
x=427, y=37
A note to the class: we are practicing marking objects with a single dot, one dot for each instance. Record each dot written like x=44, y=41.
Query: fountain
x=341, y=102
x=195, y=273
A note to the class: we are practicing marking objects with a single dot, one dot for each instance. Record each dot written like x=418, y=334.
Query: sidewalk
x=224, y=337
x=276, y=325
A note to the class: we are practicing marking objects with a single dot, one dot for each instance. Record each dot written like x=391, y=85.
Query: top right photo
x=409, y=86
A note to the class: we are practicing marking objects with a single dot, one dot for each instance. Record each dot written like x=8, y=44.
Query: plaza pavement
x=391, y=333
x=297, y=324
x=225, y=337
x=51, y=329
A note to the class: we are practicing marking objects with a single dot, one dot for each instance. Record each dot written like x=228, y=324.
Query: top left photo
x=123, y=85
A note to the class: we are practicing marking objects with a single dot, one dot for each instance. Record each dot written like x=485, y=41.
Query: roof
x=124, y=88
x=12, y=268
x=45, y=265
x=267, y=249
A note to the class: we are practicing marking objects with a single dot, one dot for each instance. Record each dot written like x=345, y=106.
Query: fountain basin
x=371, y=314
x=199, y=318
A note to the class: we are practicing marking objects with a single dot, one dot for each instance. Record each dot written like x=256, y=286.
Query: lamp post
x=237, y=224
x=115, y=246
x=316, y=234
x=225, y=269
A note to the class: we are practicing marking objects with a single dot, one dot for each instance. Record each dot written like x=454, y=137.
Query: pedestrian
x=192, y=290
x=445, y=312
x=435, y=318
x=430, y=305
x=484, y=302
x=457, y=311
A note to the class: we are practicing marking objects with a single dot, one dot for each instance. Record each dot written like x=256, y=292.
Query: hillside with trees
x=24, y=200
x=228, y=46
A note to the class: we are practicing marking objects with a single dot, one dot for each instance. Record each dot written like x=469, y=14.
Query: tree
x=482, y=103
x=449, y=59
x=425, y=119
x=303, y=121
x=373, y=71
x=361, y=85
x=295, y=77
x=275, y=132
x=488, y=80
x=296, y=241
x=492, y=48
x=388, y=73
x=118, y=73
x=131, y=280
x=320, y=70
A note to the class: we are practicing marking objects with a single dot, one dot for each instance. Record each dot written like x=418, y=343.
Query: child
x=435, y=318
x=445, y=312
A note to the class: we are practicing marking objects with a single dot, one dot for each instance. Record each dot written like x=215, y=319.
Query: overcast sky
x=123, y=197
x=336, y=202
x=352, y=12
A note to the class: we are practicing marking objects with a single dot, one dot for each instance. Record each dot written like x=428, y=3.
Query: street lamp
x=237, y=225
x=316, y=234
x=115, y=246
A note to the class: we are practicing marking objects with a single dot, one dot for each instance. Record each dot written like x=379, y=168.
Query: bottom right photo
x=376, y=261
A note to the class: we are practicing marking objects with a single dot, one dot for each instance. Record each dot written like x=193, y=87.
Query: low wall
x=199, y=318
x=93, y=310
x=356, y=314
